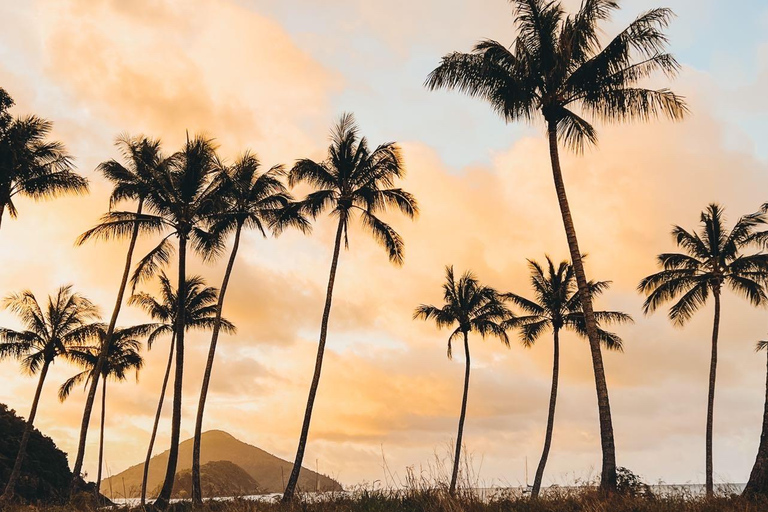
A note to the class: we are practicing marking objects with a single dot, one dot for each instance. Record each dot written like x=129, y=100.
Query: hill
x=268, y=471
x=45, y=474
x=217, y=478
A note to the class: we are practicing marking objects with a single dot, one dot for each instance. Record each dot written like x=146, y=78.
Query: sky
x=273, y=76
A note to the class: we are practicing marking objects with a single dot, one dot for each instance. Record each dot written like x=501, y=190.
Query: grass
x=432, y=500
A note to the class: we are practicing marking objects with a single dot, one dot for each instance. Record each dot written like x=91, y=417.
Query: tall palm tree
x=131, y=181
x=199, y=313
x=556, y=67
x=31, y=165
x=122, y=357
x=713, y=258
x=556, y=306
x=66, y=321
x=352, y=181
x=255, y=200
x=758, y=477
x=471, y=307
x=182, y=200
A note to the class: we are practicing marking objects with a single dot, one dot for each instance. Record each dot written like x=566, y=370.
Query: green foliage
x=45, y=474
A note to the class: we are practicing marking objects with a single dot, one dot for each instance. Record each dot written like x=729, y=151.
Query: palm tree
x=67, y=321
x=556, y=67
x=471, y=307
x=258, y=201
x=758, y=477
x=556, y=306
x=199, y=313
x=353, y=180
x=30, y=164
x=712, y=258
x=183, y=198
x=132, y=181
x=121, y=358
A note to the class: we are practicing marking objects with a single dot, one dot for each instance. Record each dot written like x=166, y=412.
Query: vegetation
x=201, y=312
x=122, y=357
x=30, y=164
x=66, y=321
x=132, y=181
x=557, y=306
x=44, y=476
x=556, y=69
x=714, y=258
x=471, y=307
x=353, y=181
x=253, y=200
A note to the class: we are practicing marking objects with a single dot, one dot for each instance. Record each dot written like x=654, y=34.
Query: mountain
x=269, y=472
x=217, y=478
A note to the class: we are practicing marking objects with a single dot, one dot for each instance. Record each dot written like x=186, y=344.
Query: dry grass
x=422, y=500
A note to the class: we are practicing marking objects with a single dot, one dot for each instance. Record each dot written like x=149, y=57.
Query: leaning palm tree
x=121, y=358
x=255, y=200
x=199, y=313
x=353, y=181
x=713, y=258
x=67, y=320
x=557, y=69
x=182, y=200
x=758, y=477
x=556, y=306
x=131, y=181
x=471, y=307
x=31, y=165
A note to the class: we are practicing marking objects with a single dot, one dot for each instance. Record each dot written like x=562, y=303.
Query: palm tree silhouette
x=712, y=258
x=183, y=198
x=122, y=357
x=471, y=307
x=758, y=477
x=557, y=69
x=258, y=201
x=556, y=306
x=67, y=321
x=30, y=164
x=353, y=180
x=200, y=313
x=132, y=181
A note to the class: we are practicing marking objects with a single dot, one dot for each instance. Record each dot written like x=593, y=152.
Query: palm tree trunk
x=710, y=484
x=197, y=495
x=550, y=417
x=290, y=488
x=608, y=472
x=91, y=397
x=16, y=471
x=758, y=478
x=101, y=435
x=157, y=422
x=462, y=417
x=173, y=454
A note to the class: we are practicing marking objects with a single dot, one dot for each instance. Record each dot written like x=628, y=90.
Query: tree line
x=192, y=203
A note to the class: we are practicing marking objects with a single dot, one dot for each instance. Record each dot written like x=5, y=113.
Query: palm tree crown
x=31, y=165
x=66, y=321
x=713, y=257
x=557, y=305
x=200, y=310
x=121, y=358
x=355, y=179
x=470, y=306
x=557, y=67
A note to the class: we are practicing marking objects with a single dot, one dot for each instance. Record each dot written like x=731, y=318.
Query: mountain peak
x=269, y=471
